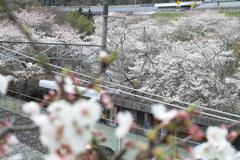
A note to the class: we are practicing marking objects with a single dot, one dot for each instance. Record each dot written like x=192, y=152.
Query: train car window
x=113, y=115
x=108, y=117
x=148, y=121
x=103, y=118
x=140, y=122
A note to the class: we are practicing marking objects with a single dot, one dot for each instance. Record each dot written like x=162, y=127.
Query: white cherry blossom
x=86, y=112
x=125, y=121
x=48, y=131
x=68, y=83
x=225, y=151
x=59, y=108
x=12, y=140
x=217, y=147
x=68, y=125
x=103, y=54
x=31, y=107
x=4, y=80
x=68, y=86
x=204, y=151
x=77, y=138
x=216, y=135
x=159, y=112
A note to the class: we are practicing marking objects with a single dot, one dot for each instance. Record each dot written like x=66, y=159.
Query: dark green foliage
x=88, y=2
x=80, y=11
x=230, y=68
x=23, y=3
x=80, y=22
x=89, y=14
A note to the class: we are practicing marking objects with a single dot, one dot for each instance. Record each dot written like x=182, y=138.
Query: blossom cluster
x=9, y=141
x=67, y=129
x=174, y=68
x=187, y=59
x=217, y=146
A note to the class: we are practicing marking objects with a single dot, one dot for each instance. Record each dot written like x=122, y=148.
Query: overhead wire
x=107, y=119
x=169, y=104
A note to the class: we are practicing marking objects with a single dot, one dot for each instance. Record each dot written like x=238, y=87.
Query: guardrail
x=52, y=50
x=14, y=105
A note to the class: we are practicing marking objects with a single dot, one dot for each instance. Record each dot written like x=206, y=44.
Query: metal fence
x=14, y=105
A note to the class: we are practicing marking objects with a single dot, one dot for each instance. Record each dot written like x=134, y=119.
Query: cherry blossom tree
x=187, y=59
x=178, y=69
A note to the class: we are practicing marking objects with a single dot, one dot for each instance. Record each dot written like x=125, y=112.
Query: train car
x=142, y=118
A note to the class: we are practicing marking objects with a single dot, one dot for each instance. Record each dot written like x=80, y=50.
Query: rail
x=213, y=112
x=15, y=105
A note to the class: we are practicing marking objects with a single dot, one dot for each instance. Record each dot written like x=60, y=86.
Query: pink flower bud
x=223, y=126
x=11, y=139
x=52, y=93
x=129, y=144
x=196, y=132
x=97, y=133
x=5, y=149
x=232, y=135
x=103, y=139
x=46, y=97
x=183, y=115
x=198, y=112
x=5, y=123
x=106, y=100
x=71, y=96
x=88, y=147
x=71, y=75
x=76, y=81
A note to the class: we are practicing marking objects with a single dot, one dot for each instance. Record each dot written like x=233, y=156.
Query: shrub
x=80, y=22
x=236, y=47
x=183, y=35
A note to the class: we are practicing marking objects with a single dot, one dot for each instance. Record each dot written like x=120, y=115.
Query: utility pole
x=104, y=26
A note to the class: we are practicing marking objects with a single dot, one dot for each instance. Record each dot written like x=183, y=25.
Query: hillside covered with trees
x=84, y=2
x=192, y=57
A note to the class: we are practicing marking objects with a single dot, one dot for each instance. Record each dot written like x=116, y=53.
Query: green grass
x=171, y=16
x=231, y=13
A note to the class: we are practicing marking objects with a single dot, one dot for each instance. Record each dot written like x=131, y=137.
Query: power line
x=107, y=119
x=173, y=105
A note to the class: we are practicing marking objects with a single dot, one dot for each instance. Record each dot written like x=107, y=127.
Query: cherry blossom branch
x=120, y=155
x=100, y=149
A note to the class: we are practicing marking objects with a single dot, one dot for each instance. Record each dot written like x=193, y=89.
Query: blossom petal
x=31, y=107
x=125, y=121
x=4, y=80
x=160, y=113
